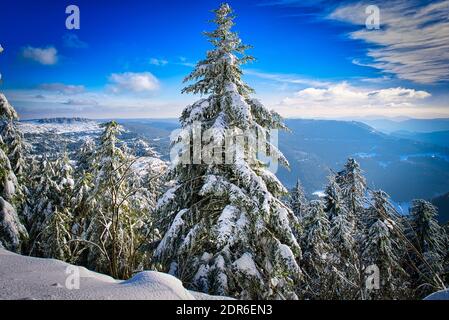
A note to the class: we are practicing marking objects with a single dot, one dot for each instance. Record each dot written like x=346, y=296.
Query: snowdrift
x=27, y=278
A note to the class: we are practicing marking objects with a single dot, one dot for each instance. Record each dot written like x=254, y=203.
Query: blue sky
x=314, y=58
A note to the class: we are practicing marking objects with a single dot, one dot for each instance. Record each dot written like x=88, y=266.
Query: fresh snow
x=226, y=224
x=10, y=223
x=246, y=265
x=166, y=242
x=319, y=193
x=27, y=278
x=289, y=258
x=143, y=165
x=238, y=103
x=167, y=197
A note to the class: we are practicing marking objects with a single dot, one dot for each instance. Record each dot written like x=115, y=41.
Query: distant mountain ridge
x=62, y=120
x=405, y=168
x=440, y=138
x=411, y=125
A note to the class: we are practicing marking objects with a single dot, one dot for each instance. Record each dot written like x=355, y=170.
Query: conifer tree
x=341, y=233
x=318, y=253
x=298, y=201
x=430, y=241
x=86, y=156
x=113, y=236
x=225, y=230
x=56, y=231
x=12, y=232
x=385, y=248
x=40, y=203
x=82, y=202
x=353, y=190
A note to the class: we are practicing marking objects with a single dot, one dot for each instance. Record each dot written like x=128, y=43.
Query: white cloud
x=342, y=99
x=133, y=82
x=45, y=56
x=94, y=104
x=343, y=95
x=62, y=88
x=158, y=62
x=413, y=42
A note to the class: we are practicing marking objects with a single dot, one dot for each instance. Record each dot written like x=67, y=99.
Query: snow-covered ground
x=48, y=279
x=440, y=295
x=33, y=127
x=143, y=165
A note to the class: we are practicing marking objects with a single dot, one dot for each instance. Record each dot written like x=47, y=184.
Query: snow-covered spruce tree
x=430, y=243
x=154, y=183
x=116, y=218
x=341, y=234
x=86, y=156
x=318, y=254
x=40, y=201
x=385, y=247
x=56, y=230
x=12, y=137
x=225, y=230
x=12, y=232
x=297, y=200
x=81, y=203
x=353, y=190
x=49, y=207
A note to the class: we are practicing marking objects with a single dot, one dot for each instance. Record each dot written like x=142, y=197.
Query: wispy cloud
x=158, y=62
x=72, y=40
x=180, y=61
x=45, y=56
x=62, y=88
x=133, y=82
x=81, y=102
x=293, y=3
x=287, y=78
x=413, y=42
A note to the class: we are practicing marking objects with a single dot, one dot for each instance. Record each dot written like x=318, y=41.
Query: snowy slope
x=440, y=295
x=34, y=278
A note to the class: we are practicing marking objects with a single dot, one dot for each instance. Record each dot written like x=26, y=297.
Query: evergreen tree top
x=220, y=71
x=423, y=209
x=352, y=166
x=351, y=179
x=111, y=130
x=111, y=124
